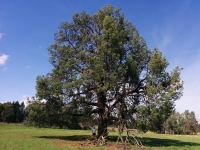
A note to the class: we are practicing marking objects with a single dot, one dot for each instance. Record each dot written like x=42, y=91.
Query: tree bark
x=102, y=119
x=102, y=127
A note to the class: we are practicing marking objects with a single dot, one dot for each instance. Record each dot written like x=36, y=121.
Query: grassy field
x=19, y=137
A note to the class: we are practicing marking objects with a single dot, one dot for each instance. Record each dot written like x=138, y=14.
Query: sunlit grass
x=20, y=137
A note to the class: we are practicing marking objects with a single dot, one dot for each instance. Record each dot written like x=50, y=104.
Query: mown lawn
x=20, y=137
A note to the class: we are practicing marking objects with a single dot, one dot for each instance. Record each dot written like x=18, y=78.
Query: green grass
x=20, y=137
x=171, y=142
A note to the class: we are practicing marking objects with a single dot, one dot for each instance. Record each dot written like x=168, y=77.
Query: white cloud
x=3, y=59
x=1, y=35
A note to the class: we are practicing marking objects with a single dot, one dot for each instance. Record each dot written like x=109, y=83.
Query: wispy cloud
x=178, y=40
x=3, y=59
x=1, y=35
x=171, y=36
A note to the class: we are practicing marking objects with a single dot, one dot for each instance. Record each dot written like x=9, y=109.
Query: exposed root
x=130, y=137
x=101, y=140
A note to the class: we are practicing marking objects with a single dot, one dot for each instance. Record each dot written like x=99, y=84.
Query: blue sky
x=27, y=28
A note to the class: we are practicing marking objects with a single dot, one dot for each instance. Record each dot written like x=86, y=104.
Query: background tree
x=12, y=112
x=190, y=124
x=49, y=88
x=185, y=123
x=174, y=124
x=18, y=111
x=8, y=113
x=1, y=112
x=101, y=60
x=70, y=116
x=36, y=113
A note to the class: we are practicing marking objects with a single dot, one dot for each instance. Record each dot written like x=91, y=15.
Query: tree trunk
x=102, y=119
x=102, y=127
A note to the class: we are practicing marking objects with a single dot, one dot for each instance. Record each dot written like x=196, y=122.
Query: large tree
x=101, y=60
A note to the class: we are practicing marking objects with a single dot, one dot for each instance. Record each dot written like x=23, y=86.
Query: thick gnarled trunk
x=102, y=119
x=102, y=127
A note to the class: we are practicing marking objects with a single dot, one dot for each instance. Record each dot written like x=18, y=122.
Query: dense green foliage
x=101, y=61
x=12, y=112
x=185, y=123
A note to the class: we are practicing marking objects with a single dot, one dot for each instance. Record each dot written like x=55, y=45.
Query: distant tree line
x=182, y=123
x=12, y=112
x=166, y=120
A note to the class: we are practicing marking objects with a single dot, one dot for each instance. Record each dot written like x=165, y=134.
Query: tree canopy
x=101, y=60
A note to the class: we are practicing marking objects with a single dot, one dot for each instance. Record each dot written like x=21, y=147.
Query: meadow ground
x=20, y=137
